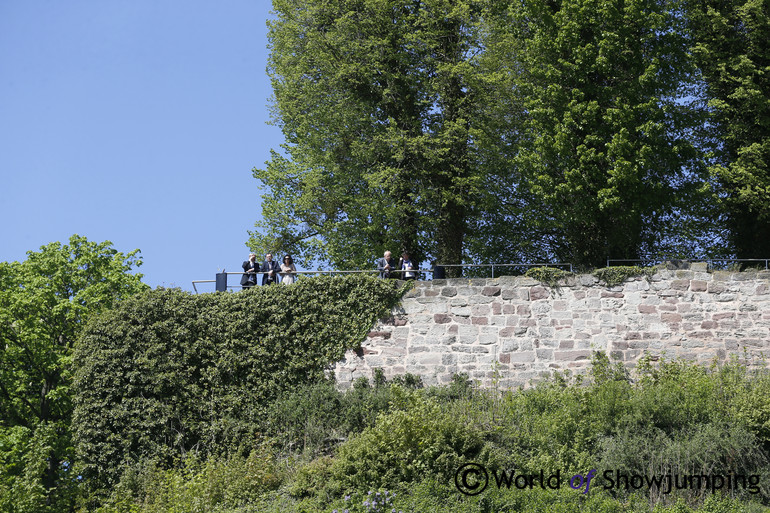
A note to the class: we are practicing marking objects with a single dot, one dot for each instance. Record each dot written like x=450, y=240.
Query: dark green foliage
x=731, y=46
x=377, y=102
x=168, y=373
x=314, y=418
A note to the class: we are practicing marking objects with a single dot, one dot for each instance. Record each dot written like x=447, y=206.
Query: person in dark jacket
x=270, y=270
x=250, y=270
x=386, y=265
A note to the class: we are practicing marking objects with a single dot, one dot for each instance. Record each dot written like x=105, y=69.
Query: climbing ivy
x=167, y=372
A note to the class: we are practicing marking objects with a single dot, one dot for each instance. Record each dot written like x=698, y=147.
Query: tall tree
x=376, y=102
x=44, y=303
x=731, y=46
x=604, y=153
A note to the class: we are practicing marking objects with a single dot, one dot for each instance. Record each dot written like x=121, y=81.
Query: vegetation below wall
x=167, y=374
x=397, y=446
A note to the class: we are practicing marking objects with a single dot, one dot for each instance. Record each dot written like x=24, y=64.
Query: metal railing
x=515, y=265
x=316, y=272
x=713, y=263
x=438, y=269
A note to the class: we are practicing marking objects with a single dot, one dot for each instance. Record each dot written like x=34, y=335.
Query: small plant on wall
x=616, y=275
x=548, y=275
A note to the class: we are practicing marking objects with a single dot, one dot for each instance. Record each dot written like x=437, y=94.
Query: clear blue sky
x=138, y=122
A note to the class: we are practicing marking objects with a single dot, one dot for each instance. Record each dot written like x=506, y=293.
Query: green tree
x=378, y=103
x=603, y=156
x=731, y=46
x=44, y=303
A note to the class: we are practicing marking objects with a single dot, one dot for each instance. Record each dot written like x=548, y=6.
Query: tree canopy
x=731, y=46
x=565, y=129
x=45, y=302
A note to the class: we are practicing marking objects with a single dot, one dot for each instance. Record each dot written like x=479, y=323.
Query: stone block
x=572, y=355
x=522, y=357
x=538, y=292
x=449, y=291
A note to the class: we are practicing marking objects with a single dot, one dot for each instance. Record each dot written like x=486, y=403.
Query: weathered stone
x=457, y=325
x=538, y=292
x=441, y=318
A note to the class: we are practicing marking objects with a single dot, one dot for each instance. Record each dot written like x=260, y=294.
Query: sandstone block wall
x=512, y=330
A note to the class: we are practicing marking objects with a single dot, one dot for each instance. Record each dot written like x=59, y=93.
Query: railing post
x=221, y=281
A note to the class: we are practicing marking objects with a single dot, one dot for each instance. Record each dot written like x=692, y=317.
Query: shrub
x=166, y=372
x=414, y=441
x=216, y=484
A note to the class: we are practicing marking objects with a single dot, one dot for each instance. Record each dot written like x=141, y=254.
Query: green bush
x=314, y=418
x=414, y=441
x=167, y=372
x=216, y=484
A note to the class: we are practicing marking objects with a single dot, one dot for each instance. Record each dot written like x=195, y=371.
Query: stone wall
x=511, y=330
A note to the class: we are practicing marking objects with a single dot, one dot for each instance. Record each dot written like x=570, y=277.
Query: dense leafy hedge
x=167, y=373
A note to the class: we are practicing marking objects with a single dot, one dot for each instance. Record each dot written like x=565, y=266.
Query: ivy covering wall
x=167, y=373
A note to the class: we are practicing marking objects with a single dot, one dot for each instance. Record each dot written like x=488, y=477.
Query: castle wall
x=512, y=330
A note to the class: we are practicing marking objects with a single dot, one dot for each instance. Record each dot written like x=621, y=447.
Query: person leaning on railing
x=386, y=265
x=408, y=267
x=270, y=270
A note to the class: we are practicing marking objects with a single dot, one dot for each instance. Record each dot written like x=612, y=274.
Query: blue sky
x=137, y=122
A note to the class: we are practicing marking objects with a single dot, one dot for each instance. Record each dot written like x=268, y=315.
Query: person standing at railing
x=270, y=270
x=287, y=270
x=386, y=265
x=250, y=269
x=408, y=268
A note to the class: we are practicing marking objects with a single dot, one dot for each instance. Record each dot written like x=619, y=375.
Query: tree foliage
x=604, y=152
x=44, y=303
x=476, y=129
x=167, y=373
x=731, y=45
x=378, y=104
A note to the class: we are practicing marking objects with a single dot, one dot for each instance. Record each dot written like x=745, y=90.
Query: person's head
x=287, y=260
x=252, y=256
x=387, y=255
x=269, y=257
x=405, y=255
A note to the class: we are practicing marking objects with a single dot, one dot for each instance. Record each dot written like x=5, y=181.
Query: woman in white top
x=405, y=263
x=287, y=270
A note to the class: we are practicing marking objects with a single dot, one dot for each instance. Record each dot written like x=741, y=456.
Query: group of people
x=404, y=269
x=271, y=271
x=285, y=272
